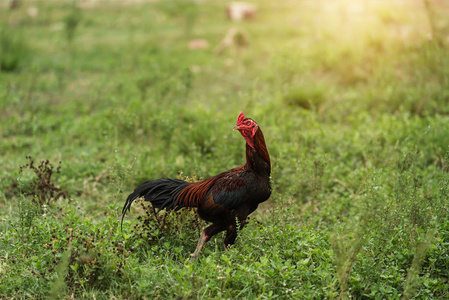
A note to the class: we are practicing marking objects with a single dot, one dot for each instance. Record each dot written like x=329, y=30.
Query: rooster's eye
x=248, y=123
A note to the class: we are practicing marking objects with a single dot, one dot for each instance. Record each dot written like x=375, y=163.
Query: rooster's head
x=247, y=128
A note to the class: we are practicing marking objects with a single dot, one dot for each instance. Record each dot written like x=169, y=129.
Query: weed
x=306, y=96
x=346, y=249
x=13, y=49
x=42, y=189
x=412, y=280
x=58, y=287
x=319, y=166
x=185, y=10
x=27, y=214
x=71, y=22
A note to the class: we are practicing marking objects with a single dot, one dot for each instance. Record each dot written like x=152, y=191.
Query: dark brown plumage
x=222, y=199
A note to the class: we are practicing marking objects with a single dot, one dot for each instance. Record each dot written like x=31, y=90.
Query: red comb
x=241, y=118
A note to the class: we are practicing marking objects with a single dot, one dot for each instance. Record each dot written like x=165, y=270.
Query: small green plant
x=319, y=166
x=307, y=97
x=71, y=22
x=185, y=10
x=59, y=285
x=413, y=279
x=351, y=237
x=346, y=249
x=13, y=49
x=27, y=214
x=143, y=84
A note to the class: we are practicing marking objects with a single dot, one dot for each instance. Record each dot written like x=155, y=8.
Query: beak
x=236, y=127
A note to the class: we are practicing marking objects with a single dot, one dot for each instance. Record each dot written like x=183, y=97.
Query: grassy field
x=353, y=99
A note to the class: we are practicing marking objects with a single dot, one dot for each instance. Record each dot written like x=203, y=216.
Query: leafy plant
x=306, y=96
x=185, y=10
x=71, y=22
x=13, y=49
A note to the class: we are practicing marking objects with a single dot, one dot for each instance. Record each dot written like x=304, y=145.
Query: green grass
x=353, y=101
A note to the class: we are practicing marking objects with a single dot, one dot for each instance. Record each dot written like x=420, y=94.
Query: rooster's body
x=222, y=199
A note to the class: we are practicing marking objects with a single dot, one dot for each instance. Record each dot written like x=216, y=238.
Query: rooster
x=226, y=199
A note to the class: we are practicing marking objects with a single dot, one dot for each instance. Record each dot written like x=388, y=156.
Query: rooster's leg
x=231, y=233
x=203, y=239
x=205, y=236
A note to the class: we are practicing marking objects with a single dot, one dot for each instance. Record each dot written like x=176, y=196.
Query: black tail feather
x=162, y=193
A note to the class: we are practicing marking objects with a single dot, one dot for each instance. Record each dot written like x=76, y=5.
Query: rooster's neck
x=257, y=158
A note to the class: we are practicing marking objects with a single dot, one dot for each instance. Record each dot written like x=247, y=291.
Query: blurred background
x=89, y=82
x=352, y=96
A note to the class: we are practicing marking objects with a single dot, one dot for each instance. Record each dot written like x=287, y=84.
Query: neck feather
x=257, y=157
